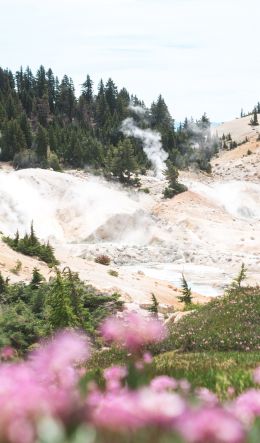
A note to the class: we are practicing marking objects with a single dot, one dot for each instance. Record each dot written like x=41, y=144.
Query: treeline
x=43, y=123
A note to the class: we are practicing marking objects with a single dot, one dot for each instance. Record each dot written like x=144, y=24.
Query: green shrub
x=29, y=312
x=30, y=245
x=18, y=267
x=113, y=273
x=53, y=162
x=145, y=190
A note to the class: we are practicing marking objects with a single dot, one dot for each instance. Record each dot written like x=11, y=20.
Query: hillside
x=238, y=128
x=229, y=323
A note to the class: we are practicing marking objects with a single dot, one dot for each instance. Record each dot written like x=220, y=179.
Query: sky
x=201, y=55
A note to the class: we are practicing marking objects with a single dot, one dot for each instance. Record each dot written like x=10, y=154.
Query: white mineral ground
x=206, y=232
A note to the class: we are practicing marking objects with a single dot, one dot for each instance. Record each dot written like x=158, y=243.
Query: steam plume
x=152, y=144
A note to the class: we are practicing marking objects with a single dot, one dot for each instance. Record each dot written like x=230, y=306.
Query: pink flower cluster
x=46, y=386
x=43, y=386
x=133, y=331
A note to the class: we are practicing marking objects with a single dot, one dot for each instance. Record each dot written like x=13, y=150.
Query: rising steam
x=152, y=144
x=68, y=209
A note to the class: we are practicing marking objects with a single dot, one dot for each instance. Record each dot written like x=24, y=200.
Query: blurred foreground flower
x=133, y=331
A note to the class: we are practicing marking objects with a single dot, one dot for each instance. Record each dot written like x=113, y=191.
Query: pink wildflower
x=131, y=410
x=114, y=376
x=147, y=358
x=207, y=397
x=247, y=405
x=212, y=426
x=133, y=331
x=55, y=361
x=163, y=383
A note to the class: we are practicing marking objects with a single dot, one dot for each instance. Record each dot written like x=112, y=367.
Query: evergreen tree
x=3, y=116
x=12, y=141
x=186, y=296
x=160, y=116
x=41, y=82
x=174, y=187
x=87, y=90
x=111, y=95
x=42, y=143
x=154, y=306
x=26, y=128
x=37, y=279
x=254, y=119
x=242, y=275
x=58, y=305
x=3, y=284
x=122, y=162
x=204, y=122
x=12, y=107
x=51, y=90
x=66, y=98
x=42, y=110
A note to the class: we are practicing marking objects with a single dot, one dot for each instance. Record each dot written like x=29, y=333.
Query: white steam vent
x=240, y=199
x=66, y=208
x=152, y=144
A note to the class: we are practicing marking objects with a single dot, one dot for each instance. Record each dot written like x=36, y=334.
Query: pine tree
x=51, y=90
x=174, y=187
x=66, y=99
x=41, y=82
x=3, y=284
x=12, y=141
x=186, y=296
x=111, y=95
x=242, y=275
x=154, y=306
x=33, y=240
x=254, y=119
x=87, y=90
x=122, y=162
x=26, y=128
x=58, y=305
x=42, y=143
x=37, y=279
x=2, y=116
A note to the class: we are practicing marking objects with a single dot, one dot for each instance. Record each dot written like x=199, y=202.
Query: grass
x=217, y=346
x=216, y=371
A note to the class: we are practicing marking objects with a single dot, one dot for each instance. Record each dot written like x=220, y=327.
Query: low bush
x=30, y=312
x=113, y=273
x=30, y=245
x=103, y=260
x=18, y=267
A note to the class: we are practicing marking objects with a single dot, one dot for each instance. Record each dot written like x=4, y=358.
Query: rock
x=176, y=316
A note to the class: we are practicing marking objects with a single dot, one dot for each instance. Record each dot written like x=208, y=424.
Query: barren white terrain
x=205, y=233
